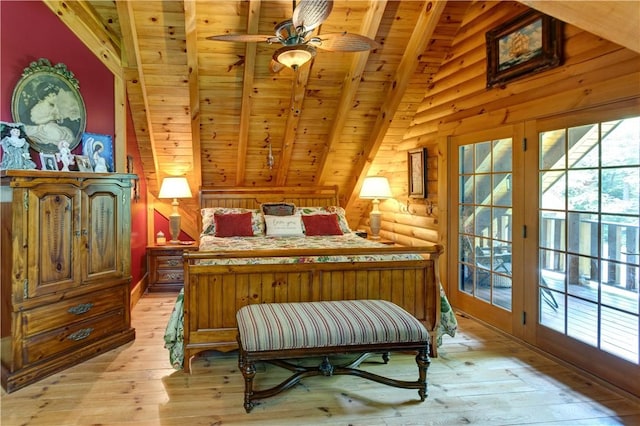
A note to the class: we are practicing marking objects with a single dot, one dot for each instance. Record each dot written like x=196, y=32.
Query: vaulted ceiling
x=214, y=110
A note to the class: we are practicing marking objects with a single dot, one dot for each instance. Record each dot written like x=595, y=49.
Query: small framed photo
x=525, y=45
x=417, y=165
x=48, y=162
x=84, y=165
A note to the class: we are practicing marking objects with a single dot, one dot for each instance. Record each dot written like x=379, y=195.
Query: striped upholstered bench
x=277, y=332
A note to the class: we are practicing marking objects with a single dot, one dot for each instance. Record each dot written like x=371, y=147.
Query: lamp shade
x=294, y=56
x=175, y=187
x=375, y=187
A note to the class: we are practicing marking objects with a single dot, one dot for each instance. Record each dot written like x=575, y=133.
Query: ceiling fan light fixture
x=294, y=56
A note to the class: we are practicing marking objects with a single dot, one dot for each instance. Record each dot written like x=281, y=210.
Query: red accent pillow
x=321, y=224
x=233, y=225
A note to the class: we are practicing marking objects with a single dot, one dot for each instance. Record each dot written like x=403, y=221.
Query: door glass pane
x=583, y=190
x=502, y=158
x=553, y=189
x=620, y=142
x=466, y=159
x=583, y=147
x=502, y=189
x=582, y=233
x=552, y=309
x=485, y=221
x=552, y=150
x=483, y=189
x=501, y=219
x=589, y=217
x=582, y=277
x=552, y=229
x=483, y=157
x=466, y=189
x=620, y=189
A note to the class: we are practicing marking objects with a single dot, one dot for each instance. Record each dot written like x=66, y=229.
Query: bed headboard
x=252, y=197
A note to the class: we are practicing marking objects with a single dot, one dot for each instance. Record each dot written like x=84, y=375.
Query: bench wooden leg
x=248, y=369
x=423, y=361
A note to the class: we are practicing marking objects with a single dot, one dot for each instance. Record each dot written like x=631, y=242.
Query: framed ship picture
x=525, y=45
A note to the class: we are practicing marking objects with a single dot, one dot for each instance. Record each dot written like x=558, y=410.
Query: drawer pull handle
x=80, y=334
x=174, y=262
x=80, y=309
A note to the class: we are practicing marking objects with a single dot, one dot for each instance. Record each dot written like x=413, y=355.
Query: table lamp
x=174, y=187
x=375, y=188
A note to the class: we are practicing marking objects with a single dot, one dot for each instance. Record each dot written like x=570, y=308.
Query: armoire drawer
x=51, y=343
x=69, y=311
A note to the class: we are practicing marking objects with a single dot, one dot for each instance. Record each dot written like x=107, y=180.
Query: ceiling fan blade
x=309, y=14
x=241, y=37
x=344, y=42
x=275, y=66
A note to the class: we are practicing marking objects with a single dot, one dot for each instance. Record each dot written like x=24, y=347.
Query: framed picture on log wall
x=525, y=45
x=417, y=165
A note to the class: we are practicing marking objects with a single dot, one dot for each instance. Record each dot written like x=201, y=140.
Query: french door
x=587, y=245
x=543, y=236
x=484, y=222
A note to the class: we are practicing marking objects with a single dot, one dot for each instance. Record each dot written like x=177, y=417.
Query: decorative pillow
x=284, y=226
x=342, y=218
x=209, y=224
x=321, y=224
x=278, y=209
x=233, y=225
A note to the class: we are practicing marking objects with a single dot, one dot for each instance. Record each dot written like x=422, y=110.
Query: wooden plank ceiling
x=213, y=110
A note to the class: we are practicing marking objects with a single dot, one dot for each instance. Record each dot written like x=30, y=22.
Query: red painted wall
x=161, y=223
x=45, y=36
x=29, y=30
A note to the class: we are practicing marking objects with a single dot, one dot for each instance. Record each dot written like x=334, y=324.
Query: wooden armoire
x=66, y=270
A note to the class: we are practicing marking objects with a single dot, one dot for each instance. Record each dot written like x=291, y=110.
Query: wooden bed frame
x=214, y=293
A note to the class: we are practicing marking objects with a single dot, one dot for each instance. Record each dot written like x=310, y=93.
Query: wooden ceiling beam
x=369, y=28
x=126, y=16
x=253, y=19
x=84, y=22
x=134, y=95
x=422, y=33
x=616, y=21
x=190, y=21
x=300, y=81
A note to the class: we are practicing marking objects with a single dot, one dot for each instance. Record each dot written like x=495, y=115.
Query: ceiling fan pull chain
x=270, y=159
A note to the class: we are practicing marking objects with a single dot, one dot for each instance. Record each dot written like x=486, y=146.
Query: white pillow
x=283, y=226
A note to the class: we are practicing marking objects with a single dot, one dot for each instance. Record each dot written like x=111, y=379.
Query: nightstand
x=165, y=267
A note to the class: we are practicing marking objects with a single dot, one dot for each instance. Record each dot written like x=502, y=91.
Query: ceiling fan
x=298, y=43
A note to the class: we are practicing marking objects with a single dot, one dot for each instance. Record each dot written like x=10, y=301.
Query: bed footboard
x=214, y=293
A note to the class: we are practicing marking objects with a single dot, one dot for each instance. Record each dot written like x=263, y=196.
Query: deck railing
x=596, y=251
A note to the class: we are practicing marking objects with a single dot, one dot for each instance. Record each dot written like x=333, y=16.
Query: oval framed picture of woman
x=48, y=102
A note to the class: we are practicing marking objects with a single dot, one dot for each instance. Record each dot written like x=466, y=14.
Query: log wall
x=594, y=72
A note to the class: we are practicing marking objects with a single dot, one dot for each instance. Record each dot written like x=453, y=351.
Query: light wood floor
x=480, y=378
